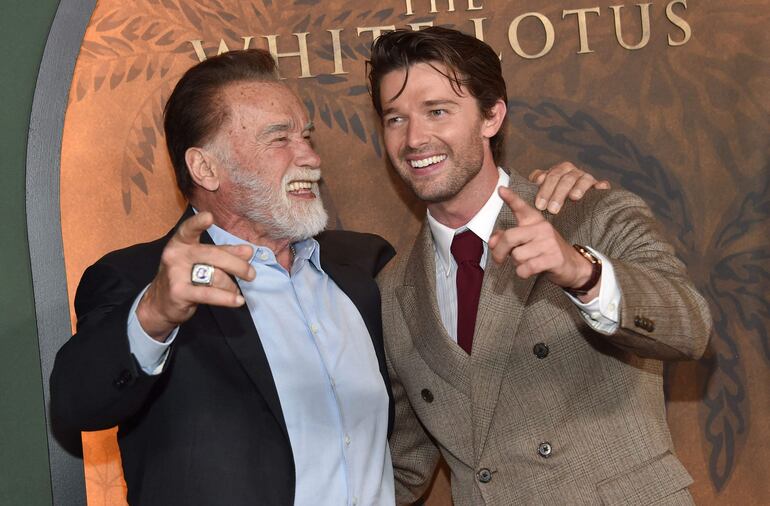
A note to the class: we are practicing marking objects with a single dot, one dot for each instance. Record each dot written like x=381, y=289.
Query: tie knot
x=467, y=247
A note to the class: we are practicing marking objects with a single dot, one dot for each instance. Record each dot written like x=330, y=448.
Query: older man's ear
x=204, y=168
x=561, y=181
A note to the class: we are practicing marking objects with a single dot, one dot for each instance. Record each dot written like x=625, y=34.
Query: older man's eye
x=438, y=112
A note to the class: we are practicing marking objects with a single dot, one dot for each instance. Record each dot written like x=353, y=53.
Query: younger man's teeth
x=418, y=164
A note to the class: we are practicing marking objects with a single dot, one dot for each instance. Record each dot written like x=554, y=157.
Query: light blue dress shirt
x=323, y=363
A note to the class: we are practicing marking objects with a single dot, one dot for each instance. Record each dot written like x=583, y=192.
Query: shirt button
x=331, y=380
x=347, y=440
x=596, y=315
x=355, y=501
x=611, y=307
x=314, y=328
x=264, y=255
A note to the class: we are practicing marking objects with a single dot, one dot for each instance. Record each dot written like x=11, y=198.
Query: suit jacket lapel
x=417, y=298
x=239, y=332
x=501, y=307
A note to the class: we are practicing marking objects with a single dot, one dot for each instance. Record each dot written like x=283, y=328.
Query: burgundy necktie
x=467, y=249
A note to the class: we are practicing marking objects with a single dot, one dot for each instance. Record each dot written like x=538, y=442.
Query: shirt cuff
x=150, y=354
x=603, y=312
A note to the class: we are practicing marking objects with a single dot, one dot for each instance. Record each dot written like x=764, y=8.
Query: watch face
x=587, y=254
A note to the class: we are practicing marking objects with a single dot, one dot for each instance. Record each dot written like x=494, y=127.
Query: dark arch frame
x=44, y=228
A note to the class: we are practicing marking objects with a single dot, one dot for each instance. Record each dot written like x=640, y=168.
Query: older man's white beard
x=282, y=217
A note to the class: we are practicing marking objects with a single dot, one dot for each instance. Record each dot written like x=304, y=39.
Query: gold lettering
x=198, y=47
x=644, y=10
x=272, y=44
x=451, y=5
x=679, y=23
x=337, y=48
x=478, y=32
x=418, y=26
x=582, y=26
x=434, y=8
x=473, y=7
x=376, y=30
x=513, y=35
x=478, y=28
x=201, y=54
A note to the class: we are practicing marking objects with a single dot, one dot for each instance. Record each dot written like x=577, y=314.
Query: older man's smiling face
x=272, y=171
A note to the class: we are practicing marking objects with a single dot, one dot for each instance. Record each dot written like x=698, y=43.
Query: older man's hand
x=172, y=298
x=559, y=182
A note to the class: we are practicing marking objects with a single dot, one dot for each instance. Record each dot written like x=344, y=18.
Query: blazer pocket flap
x=646, y=484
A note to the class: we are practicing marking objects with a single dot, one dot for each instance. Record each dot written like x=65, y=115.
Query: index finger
x=189, y=232
x=524, y=213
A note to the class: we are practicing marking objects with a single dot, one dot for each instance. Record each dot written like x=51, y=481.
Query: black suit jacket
x=209, y=429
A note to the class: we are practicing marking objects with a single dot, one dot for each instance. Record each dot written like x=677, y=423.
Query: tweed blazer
x=545, y=410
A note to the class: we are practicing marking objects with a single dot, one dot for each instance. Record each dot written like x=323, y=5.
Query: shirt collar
x=307, y=249
x=482, y=224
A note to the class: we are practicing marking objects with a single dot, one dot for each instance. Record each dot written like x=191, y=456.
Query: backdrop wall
x=666, y=99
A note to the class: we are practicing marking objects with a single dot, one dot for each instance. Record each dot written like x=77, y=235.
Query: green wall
x=24, y=472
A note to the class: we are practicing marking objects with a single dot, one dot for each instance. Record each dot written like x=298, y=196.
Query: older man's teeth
x=419, y=164
x=296, y=186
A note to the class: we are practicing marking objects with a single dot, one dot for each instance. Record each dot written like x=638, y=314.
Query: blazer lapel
x=239, y=332
x=417, y=298
x=503, y=299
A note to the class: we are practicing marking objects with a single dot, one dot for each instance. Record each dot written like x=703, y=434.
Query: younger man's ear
x=203, y=167
x=494, y=119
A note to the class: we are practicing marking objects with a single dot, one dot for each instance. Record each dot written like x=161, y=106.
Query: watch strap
x=596, y=271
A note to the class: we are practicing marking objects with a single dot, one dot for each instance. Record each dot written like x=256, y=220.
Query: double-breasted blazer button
x=540, y=350
x=484, y=475
x=544, y=449
x=427, y=395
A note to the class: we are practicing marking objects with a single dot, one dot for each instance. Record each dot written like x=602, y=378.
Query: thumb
x=189, y=232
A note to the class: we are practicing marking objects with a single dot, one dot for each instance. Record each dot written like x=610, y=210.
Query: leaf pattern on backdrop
x=721, y=118
x=738, y=288
x=144, y=40
x=143, y=144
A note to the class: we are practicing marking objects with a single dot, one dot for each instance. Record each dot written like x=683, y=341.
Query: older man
x=524, y=348
x=241, y=353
